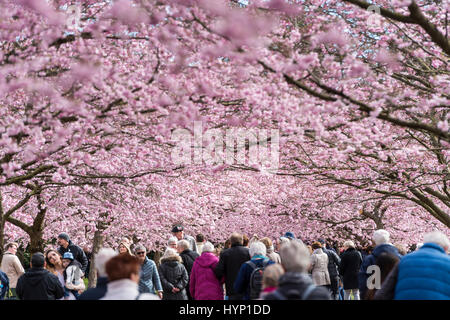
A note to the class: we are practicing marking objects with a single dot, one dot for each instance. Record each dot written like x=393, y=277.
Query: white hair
x=140, y=247
x=208, y=247
x=295, y=257
x=101, y=258
x=184, y=244
x=437, y=237
x=349, y=244
x=380, y=237
x=284, y=240
x=419, y=245
x=257, y=248
x=172, y=240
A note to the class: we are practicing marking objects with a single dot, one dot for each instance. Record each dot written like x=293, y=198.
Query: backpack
x=256, y=278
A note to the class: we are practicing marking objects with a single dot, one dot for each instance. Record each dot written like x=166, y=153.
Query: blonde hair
x=272, y=274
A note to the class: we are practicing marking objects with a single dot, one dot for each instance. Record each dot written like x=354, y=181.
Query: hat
x=64, y=236
x=289, y=235
x=68, y=255
x=177, y=228
x=37, y=260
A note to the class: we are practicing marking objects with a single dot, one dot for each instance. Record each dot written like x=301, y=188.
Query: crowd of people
x=285, y=268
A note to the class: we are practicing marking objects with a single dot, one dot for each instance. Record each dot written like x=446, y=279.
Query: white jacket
x=126, y=289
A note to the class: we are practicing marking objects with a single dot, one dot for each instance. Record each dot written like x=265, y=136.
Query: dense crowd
x=285, y=268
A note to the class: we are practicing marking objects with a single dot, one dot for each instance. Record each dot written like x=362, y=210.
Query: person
x=88, y=255
x=172, y=243
x=149, y=278
x=245, y=240
x=200, y=240
x=319, y=266
x=72, y=275
x=351, y=260
x=4, y=285
x=333, y=268
x=246, y=281
x=178, y=232
x=401, y=249
x=230, y=262
x=123, y=274
x=386, y=262
x=227, y=244
x=188, y=256
x=124, y=248
x=289, y=235
x=203, y=283
x=295, y=284
x=173, y=275
x=103, y=256
x=422, y=274
x=271, y=254
x=12, y=267
x=271, y=276
x=53, y=263
x=66, y=245
x=381, y=239
x=38, y=283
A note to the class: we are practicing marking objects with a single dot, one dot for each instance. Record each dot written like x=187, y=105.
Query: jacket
x=229, y=265
x=424, y=275
x=192, y=242
x=351, y=261
x=292, y=285
x=272, y=255
x=149, y=278
x=173, y=275
x=126, y=289
x=39, y=284
x=203, y=283
x=319, y=268
x=242, y=283
x=78, y=254
x=188, y=257
x=73, y=276
x=333, y=262
x=4, y=285
x=95, y=293
x=371, y=260
x=12, y=267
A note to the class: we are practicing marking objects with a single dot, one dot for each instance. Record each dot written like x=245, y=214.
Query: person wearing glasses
x=149, y=281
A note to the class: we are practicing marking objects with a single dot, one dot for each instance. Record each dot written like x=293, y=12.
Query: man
x=149, y=280
x=230, y=263
x=333, y=267
x=38, y=283
x=188, y=256
x=200, y=239
x=381, y=240
x=422, y=274
x=295, y=284
x=12, y=267
x=172, y=243
x=66, y=245
x=4, y=285
x=103, y=256
x=178, y=232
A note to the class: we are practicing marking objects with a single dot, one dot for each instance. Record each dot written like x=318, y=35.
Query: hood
x=207, y=259
x=172, y=259
x=34, y=276
x=388, y=248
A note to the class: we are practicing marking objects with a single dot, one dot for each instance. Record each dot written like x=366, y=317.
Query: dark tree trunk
x=97, y=244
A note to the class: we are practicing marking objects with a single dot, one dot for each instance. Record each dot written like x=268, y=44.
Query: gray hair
x=101, y=258
x=437, y=237
x=184, y=244
x=257, y=247
x=172, y=240
x=381, y=237
x=139, y=247
x=349, y=244
x=208, y=247
x=295, y=257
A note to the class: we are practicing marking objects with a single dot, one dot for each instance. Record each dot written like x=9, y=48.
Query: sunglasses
x=140, y=253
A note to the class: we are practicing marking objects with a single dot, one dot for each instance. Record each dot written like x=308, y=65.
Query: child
x=72, y=275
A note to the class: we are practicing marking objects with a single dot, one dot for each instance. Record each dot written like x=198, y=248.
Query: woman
x=124, y=248
x=54, y=264
x=319, y=266
x=386, y=262
x=204, y=284
x=173, y=275
x=351, y=261
x=271, y=254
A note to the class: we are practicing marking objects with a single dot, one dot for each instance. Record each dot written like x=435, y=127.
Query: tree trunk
x=2, y=237
x=97, y=244
x=36, y=242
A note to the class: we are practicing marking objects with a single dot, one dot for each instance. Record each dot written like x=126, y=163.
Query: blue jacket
x=242, y=283
x=370, y=260
x=95, y=293
x=4, y=285
x=424, y=275
x=149, y=279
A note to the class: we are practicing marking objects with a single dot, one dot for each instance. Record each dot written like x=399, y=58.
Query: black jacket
x=333, y=262
x=78, y=254
x=292, y=286
x=188, y=256
x=173, y=275
x=39, y=284
x=95, y=293
x=229, y=265
x=351, y=261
